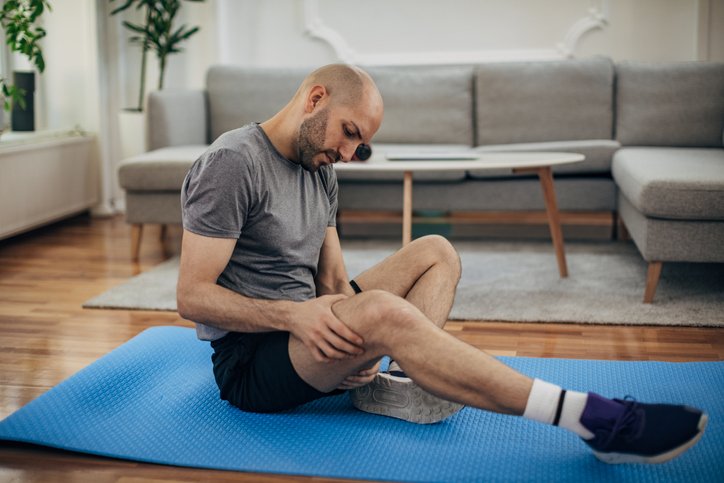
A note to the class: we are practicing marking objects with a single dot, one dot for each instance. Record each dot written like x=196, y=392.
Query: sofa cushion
x=667, y=240
x=521, y=102
x=598, y=153
x=241, y=95
x=382, y=149
x=670, y=104
x=159, y=170
x=431, y=105
x=676, y=183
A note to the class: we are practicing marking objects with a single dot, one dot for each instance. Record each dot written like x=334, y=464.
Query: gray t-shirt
x=278, y=212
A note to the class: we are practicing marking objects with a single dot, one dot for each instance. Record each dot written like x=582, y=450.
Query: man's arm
x=200, y=299
x=332, y=275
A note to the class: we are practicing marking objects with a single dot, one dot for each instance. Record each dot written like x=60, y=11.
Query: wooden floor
x=45, y=337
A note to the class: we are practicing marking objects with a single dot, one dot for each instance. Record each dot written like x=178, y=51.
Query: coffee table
x=521, y=162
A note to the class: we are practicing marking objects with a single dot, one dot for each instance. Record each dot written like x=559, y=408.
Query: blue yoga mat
x=154, y=399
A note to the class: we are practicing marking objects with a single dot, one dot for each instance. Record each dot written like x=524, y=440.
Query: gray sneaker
x=399, y=397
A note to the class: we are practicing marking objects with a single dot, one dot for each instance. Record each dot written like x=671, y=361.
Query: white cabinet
x=45, y=177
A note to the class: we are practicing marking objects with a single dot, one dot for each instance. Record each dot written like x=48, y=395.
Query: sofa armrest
x=177, y=118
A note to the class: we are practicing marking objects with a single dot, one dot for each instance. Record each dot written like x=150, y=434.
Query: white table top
x=379, y=161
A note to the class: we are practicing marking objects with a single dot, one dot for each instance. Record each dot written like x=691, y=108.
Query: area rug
x=519, y=282
x=154, y=400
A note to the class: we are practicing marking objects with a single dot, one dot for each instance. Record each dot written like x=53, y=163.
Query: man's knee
x=381, y=314
x=441, y=251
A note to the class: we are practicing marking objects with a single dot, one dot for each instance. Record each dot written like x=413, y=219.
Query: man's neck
x=281, y=137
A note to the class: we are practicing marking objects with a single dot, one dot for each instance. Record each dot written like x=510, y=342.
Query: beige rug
x=518, y=281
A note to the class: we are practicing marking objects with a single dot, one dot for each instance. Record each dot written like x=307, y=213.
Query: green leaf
x=122, y=7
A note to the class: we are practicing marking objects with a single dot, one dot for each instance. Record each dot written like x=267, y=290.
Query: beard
x=311, y=140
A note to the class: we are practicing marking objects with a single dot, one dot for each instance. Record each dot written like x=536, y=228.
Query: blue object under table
x=154, y=400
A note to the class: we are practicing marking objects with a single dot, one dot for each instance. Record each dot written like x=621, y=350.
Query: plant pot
x=24, y=119
x=132, y=132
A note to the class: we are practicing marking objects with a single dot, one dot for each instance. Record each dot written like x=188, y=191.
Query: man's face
x=333, y=133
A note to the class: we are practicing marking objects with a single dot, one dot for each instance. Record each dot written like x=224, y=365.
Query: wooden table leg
x=407, y=208
x=554, y=220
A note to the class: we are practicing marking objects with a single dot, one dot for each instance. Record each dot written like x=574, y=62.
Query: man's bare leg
x=434, y=359
x=617, y=431
x=425, y=273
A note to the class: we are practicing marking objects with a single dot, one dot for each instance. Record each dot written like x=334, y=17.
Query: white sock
x=394, y=366
x=543, y=403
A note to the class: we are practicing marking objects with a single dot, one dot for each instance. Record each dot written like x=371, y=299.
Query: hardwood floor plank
x=46, y=336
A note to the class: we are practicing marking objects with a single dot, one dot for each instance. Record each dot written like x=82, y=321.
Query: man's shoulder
x=235, y=147
x=241, y=141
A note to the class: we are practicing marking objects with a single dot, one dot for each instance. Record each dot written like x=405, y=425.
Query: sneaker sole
x=401, y=398
x=618, y=458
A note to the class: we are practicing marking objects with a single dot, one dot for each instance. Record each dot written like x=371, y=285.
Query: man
x=263, y=277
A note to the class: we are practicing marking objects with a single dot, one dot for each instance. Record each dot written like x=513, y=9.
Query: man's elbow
x=185, y=303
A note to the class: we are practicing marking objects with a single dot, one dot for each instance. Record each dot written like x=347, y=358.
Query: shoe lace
x=629, y=425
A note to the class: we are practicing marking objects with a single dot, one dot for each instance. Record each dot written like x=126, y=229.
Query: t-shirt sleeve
x=217, y=195
x=332, y=187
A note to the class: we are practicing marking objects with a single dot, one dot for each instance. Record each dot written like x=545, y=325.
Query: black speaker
x=24, y=119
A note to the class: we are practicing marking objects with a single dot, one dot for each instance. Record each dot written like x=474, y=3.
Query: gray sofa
x=670, y=172
x=589, y=106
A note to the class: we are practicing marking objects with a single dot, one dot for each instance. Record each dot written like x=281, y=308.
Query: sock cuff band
x=559, y=409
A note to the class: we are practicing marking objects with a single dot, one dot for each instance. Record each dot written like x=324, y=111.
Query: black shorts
x=254, y=372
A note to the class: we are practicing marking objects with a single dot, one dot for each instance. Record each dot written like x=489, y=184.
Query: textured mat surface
x=154, y=399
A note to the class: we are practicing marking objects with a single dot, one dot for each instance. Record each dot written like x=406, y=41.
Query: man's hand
x=326, y=337
x=362, y=378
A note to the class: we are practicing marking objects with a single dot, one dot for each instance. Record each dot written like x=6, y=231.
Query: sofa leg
x=136, y=231
x=164, y=232
x=652, y=280
x=621, y=230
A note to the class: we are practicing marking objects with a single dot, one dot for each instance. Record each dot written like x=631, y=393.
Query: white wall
x=711, y=30
x=68, y=89
x=271, y=32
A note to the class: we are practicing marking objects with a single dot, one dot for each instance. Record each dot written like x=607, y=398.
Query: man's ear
x=315, y=96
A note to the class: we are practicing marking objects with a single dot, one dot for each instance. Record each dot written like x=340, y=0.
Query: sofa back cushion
x=670, y=104
x=240, y=95
x=521, y=102
x=425, y=105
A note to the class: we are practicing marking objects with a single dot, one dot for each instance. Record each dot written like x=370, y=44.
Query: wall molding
x=316, y=28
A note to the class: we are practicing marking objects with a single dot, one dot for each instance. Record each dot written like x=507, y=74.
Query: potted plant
x=18, y=19
x=156, y=33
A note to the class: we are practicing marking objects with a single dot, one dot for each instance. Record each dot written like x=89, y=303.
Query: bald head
x=336, y=109
x=345, y=84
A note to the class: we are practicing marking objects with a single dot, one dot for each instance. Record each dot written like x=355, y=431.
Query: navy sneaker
x=395, y=395
x=640, y=433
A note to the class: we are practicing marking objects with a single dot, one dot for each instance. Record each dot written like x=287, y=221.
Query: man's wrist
x=283, y=315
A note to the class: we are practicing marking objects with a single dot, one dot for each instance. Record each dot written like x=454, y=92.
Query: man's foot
x=642, y=433
x=399, y=397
